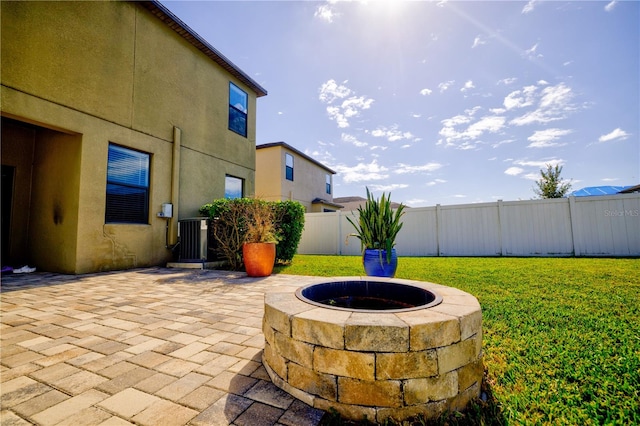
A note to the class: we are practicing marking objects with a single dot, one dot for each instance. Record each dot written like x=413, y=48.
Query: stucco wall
x=53, y=225
x=101, y=72
x=270, y=174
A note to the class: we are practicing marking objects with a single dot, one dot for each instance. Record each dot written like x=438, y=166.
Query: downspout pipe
x=175, y=186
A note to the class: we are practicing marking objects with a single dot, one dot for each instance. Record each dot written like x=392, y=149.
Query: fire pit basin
x=395, y=362
x=368, y=296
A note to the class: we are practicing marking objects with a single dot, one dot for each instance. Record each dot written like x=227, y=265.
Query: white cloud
x=532, y=176
x=547, y=138
x=491, y=123
x=472, y=111
x=478, y=42
x=350, y=107
x=467, y=86
x=507, y=81
x=353, y=140
x=520, y=98
x=324, y=12
x=415, y=202
x=435, y=182
x=529, y=6
x=454, y=121
x=464, y=138
x=554, y=103
x=405, y=168
x=353, y=105
x=388, y=188
x=502, y=142
x=532, y=52
x=330, y=91
x=392, y=134
x=609, y=7
x=425, y=92
x=324, y=155
x=615, y=134
x=337, y=115
x=362, y=172
x=513, y=171
x=541, y=164
x=538, y=165
x=445, y=85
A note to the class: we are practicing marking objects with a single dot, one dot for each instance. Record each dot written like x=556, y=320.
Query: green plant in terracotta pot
x=377, y=226
x=259, y=248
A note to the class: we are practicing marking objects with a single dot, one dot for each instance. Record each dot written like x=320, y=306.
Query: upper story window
x=127, y=186
x=233, y=187
x=328, y=183
x=237, y=110
x=288, y=160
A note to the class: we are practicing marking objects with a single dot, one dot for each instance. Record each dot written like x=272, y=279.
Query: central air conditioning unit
x=194, y=241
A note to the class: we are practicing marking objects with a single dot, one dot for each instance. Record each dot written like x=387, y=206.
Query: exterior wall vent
x=194, y=244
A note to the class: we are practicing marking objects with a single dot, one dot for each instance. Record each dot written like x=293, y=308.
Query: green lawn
x=561, y=336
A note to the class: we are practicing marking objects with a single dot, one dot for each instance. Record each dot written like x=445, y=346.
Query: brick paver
x=152, y=346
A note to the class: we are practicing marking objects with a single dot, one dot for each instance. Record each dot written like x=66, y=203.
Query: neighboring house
x=601, y=190
x=110, y=110
x=284, y=173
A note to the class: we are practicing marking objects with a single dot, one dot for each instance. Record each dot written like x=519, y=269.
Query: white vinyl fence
x=574, y=226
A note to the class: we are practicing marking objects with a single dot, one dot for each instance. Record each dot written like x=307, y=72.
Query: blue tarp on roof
x=598, y=190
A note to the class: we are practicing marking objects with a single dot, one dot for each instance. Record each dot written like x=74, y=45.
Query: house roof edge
x=297, y=151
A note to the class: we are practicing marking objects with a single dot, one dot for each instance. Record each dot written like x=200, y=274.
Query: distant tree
x=550, y=184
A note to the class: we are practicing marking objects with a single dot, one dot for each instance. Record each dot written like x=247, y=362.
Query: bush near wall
x=228, y=217
x=290, y=224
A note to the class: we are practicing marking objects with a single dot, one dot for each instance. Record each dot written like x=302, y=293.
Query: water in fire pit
x=368, y=296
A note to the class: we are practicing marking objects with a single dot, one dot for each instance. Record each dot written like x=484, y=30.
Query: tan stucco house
x=117, y=121
x=285, y=173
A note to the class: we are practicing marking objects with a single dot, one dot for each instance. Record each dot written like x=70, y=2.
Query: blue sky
x=441, y=102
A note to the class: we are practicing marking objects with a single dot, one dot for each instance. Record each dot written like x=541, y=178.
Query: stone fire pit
x=398, y=361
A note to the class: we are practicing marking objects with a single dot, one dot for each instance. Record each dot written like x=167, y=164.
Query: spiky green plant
x=377, y=224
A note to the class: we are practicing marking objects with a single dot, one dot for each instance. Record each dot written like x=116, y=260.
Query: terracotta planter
x=259, y=258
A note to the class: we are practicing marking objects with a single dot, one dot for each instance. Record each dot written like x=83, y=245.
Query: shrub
x=233, y=219
x=290, y=224
x=227, y=228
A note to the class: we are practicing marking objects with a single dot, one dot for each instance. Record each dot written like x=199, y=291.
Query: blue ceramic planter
x=376, y=265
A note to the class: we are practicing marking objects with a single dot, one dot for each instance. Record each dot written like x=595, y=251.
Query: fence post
x=339, y=239
x=572, y=220
x=438, y=230
x=501, y=226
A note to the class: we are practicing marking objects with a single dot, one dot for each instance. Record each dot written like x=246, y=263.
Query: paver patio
x=152, y=346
